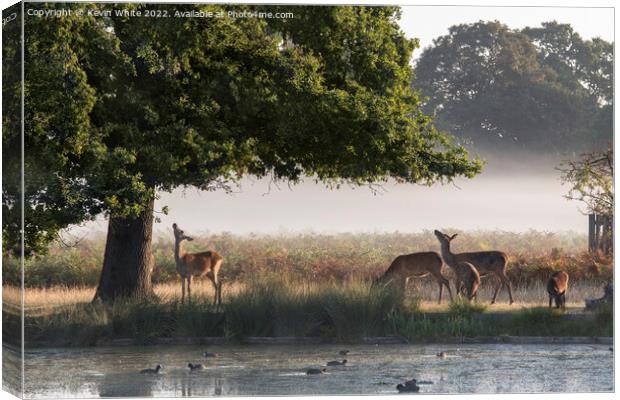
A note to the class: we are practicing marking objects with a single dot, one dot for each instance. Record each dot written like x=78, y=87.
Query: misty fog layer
x=510, y=195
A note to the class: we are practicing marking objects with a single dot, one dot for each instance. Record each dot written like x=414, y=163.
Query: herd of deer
x=468, y=268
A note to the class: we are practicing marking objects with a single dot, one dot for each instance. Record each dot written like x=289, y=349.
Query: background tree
x=130, y=107
x=540, y=89
x=592, y=181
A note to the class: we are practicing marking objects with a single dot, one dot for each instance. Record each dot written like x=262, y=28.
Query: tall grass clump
x=604, y=318
x=540, y=320
x=274, y=305
x=461, y=308
x=279, y=305
x=355, y=309
x=423, y=326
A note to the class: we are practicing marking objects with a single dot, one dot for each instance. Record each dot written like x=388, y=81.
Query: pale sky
x=430, y=22
x=504, y=197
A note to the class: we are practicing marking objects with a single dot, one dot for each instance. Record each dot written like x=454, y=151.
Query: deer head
x=443, y=238
x=179, y=235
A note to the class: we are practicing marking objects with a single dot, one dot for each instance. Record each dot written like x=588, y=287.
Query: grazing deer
x=485, y=262
x=557, y=287
x=197, y=264
x=467, y=279
x=419, y=265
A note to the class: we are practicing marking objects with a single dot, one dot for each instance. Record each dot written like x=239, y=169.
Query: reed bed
x=532, y=256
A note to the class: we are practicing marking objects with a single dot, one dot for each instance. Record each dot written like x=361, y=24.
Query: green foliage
x=539, y=89
x=121, y=108
x=604, y=315
x=85, y=324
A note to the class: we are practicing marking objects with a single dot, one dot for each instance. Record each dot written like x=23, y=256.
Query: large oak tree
x=121, y=108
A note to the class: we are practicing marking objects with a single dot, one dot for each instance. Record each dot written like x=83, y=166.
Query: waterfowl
x=315, y=371
x=442, y=354
x=151, y=370
x=408, y=387
x=207, y=354
x=194, y=367
x=343, y=352
x=333, y=363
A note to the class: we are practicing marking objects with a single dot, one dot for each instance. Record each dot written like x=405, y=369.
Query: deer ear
x=174, y=226
x=453, y=236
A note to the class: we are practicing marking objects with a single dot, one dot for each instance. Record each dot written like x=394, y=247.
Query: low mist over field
x=510, y=195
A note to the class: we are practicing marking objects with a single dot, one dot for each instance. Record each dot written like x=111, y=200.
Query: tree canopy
x=119, y=108
x=539, y=89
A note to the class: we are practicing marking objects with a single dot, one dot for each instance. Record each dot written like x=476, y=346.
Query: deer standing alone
x=485, y=262
x=196, y=265
x=419, y=265
x=556, y=287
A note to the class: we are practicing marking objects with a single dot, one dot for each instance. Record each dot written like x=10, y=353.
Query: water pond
x=281, y=370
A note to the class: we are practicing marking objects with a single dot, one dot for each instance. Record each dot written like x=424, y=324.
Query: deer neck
x=447, y=255
x=179, y=251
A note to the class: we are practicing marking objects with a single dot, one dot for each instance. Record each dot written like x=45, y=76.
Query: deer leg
x=215, y=291
x=442, y=281
x=499, y=285
x=506, y=282
x=564, y=300
x=182, y=290
x=550, y=300
x=219, y=293
x=189, y=288
x=447, y=283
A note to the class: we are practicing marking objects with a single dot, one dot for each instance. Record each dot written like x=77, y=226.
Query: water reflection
x=120, y=385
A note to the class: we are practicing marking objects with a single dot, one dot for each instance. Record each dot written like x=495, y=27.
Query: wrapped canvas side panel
x=12, y=200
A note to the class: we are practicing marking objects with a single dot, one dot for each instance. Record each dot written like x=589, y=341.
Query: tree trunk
x=128, y=261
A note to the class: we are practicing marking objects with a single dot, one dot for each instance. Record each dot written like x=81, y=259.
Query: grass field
x=308, y=285
x=533, y=295
x=277, y=306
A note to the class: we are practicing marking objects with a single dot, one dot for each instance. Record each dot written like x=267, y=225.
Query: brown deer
x=467, y=279
x=196, y=265
x=557, y=287
x=419, y=265
x=485, y=262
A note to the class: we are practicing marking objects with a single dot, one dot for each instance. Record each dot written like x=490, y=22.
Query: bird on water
x=151, y=370
x=409, y=387
x=194, y=367
x=315, y=371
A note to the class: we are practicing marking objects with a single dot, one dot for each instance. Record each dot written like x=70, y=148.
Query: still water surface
x=280, y=370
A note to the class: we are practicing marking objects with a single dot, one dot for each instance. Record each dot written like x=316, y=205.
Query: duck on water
x=316, y=371
x=151, y=370
x=194, y=367
x=408, y=387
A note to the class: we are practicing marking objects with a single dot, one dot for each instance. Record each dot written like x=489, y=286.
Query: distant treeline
x=543, y=89
x=341, y=257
